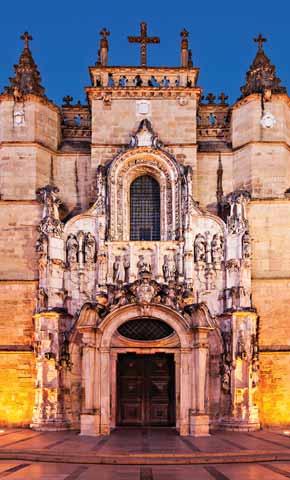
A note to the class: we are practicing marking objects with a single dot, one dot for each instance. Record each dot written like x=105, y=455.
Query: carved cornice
x=32, y=98
x=100, y=93
x=257, y=96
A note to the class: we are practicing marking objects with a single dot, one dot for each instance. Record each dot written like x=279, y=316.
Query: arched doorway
x=175, y=363
x=145, y=382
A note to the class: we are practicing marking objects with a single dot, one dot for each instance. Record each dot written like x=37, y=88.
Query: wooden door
x=146, y=389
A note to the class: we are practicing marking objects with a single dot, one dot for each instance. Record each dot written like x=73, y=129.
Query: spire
x=27, y=77
x=262, y=74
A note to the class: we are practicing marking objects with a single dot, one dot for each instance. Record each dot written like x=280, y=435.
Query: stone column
x=113, y=376
x=185, y=390
x=199, y=420
x=244, y=415
x=89, y=419
x=49, y=411
x=105, y=424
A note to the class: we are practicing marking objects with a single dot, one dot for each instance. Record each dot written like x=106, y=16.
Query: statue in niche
x=143, y=266
x=169, y=268
x=236, y=293
x=226, y=377
x=101, y=189
x=199, y=248
x=118, y=270
x=42, y=301
x=90, y=248
x=217, y=249
x=102, y=268
x=72, y=247
x=241, y=346
x=237, y=219
x=42, y=249
x=126, y=264
x=246, y=243
x=50, y=223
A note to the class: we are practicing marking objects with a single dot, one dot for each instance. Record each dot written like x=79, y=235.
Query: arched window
x=144, y=209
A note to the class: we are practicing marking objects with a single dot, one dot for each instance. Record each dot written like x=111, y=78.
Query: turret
x=27, y=116
x=261, y=116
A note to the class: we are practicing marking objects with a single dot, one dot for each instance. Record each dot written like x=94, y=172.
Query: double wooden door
x=146, y=390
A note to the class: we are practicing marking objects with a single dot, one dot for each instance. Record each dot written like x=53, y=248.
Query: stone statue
x=126, y=264
x=90, y=248
x=237, y=220
x=72, y=247
x=165, y=269
x=199, y=248
x=143, y=266
x=169, y=268
x=102, y=268
x=118, y=270
x=217, y=249
x=246, y=245
x=50, y=223
x=226, y=378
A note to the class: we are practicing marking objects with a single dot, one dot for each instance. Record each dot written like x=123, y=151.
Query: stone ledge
x=147, y=458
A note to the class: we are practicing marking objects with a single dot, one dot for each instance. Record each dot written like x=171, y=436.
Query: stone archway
x=99, y=368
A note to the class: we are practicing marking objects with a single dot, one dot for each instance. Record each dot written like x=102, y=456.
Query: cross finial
x=260, y=40
x=105, y=33
x=26, y=38
x=143, y=40
x=184, y=33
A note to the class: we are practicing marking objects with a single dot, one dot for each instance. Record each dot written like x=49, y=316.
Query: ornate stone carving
x=118, y=270
x=262, y=74
x=217, y=249
x=90, y=248
x=237, y=221
x=27, y=77
x=100, y=203
x=143, y=266
x=246, y=243
x=199, y=248
x=72, y=248
x=169, y=268
x=50, y=223
x=145, y=136
x=126, y=263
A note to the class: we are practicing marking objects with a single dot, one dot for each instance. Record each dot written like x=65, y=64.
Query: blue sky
x=66, y=36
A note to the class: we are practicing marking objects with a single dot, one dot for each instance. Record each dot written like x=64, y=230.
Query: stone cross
x=105, y=33
x=260, y=40
x=223, y=98
x=26, y=38
x=143, y=40
x=210, y=98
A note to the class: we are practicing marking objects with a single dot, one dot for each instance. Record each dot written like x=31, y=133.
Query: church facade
x=145, y=250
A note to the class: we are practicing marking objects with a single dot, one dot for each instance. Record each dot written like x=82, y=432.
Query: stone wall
x=17, y=394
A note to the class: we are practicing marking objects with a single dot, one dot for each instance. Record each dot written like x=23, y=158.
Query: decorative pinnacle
x=26, y=38
x=260, y=40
